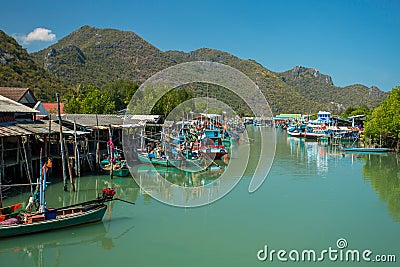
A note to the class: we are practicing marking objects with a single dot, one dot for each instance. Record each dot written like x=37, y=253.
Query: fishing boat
x=216, y=147
x=47, y=219
x=295, y=133
x=119, y=168
x=52, y=219
x=315, y=132
x=114, y=161
x=298, y=130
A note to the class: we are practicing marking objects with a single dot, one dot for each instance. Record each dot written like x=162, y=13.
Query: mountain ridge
x=93, y=56
x=19, y=69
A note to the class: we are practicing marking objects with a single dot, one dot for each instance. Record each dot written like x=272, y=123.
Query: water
x=313, y=196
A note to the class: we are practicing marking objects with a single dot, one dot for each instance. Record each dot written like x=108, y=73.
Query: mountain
x=19, y=69
x=98, y=56
x=279, y=95
x=320, y=88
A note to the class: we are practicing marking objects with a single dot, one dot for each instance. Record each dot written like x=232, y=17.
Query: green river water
x=313, y=196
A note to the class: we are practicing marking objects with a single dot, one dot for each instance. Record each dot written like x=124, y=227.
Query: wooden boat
x=367, y=149
x=47, y=219
x=52, y=219
x=314, y=135
x=216, y=149
x=114, y=160
x=119, y=168
x=296, y=134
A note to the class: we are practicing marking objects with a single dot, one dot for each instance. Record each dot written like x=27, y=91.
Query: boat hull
x=92, y=215
x=296, y=134
x=122, y=172
x=313, y=136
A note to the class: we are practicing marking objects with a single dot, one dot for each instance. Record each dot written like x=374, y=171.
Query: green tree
x=121, y=92
x=353, y=111
x=383, y=125
x=96, y=102
x=111, y=98
x=171, y=100
x=88, y=99
x=73, y=99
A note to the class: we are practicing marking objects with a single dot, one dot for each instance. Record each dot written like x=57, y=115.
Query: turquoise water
x=313, y=196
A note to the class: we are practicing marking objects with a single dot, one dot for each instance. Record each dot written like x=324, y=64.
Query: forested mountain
x=19, y=69
x=97, y=56
x=92, y=56
x=280, y=96
x=320, y=88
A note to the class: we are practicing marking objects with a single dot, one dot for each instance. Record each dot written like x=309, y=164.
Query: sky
x=353, y=41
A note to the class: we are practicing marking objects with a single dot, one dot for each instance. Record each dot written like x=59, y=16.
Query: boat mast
x=111, y=151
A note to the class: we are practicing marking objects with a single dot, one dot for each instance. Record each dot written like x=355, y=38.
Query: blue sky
x=353, y=41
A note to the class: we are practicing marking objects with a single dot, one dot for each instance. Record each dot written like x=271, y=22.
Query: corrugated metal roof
x=146, y=118
x=90, y=120
x=11, y=106
x=12, y=131
x=40, y=127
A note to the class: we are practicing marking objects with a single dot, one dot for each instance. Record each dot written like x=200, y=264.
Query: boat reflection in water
x=51, y=248
x=164, y=181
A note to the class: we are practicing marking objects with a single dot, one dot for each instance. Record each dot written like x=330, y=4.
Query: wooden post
x=111, y=151
x=76, y=155
x=28, y=167
x=29, y=155
x=1, y=172
x=49, y=136
x=28, y=170
x=62, y=144
x=71, y=178
x=97, y=144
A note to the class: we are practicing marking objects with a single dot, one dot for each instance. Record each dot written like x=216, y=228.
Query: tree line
x=114, y=98
x=382, y=124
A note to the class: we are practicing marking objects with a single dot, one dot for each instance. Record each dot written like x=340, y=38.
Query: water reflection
x=52, y=248
x=381, y=170
x=200, y=185
x=312, y=154
x=383, y=173
x=39, y=250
